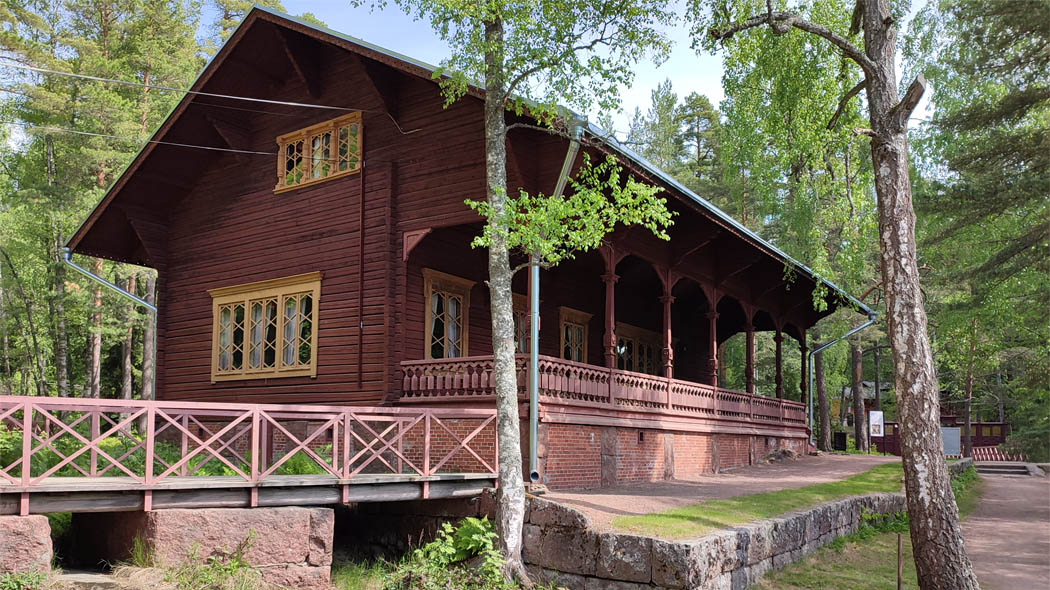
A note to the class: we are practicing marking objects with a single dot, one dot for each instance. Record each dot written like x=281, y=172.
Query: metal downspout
x=67, y=257
x=872, y=316
x=575, y=133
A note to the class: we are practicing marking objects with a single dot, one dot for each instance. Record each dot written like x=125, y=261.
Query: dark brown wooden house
x=332, y=265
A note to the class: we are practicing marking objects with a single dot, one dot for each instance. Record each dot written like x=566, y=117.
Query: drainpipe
x=872, y=316
x=67, y=257
x=575, y=133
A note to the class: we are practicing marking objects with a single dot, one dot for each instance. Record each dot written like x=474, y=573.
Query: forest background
x=772, y=154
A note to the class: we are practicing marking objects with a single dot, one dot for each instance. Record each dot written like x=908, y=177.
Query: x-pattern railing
x=147, y=442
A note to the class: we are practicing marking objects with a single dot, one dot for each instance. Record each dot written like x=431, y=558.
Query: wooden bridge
x=100, y=455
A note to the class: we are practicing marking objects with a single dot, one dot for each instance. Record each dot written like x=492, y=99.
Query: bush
x=460, y=558
x=229, y=570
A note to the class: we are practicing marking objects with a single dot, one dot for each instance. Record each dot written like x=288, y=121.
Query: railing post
x=346, y=443
x=426, y=453
x=256, y=446
x=94, y=442
x=185, y=444
x=151, y=426
x=27, y=448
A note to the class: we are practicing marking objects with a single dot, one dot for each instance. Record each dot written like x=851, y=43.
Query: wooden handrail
x=575, y=383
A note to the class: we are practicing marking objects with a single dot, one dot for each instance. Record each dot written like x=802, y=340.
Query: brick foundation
x=582, y=457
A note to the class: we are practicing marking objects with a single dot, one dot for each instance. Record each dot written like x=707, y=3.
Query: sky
x=393, y=29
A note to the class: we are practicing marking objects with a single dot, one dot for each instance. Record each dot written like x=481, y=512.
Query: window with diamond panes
x=326, y=150
x=637, y=349
x=448, y=302
x=266, y=329
x=574, y=334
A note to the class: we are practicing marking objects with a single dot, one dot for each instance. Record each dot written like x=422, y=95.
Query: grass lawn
x=359, y=576
x=697, y=519
x=861, y=562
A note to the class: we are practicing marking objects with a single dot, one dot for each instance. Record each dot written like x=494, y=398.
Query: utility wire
x=10, y=64
x=176, y=144
x=134, y=139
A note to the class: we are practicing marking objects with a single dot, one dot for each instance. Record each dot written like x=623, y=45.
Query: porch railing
x=571, y=383
x=148, y=443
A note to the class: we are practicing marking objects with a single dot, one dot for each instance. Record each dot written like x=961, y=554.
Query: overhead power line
x=20, y=66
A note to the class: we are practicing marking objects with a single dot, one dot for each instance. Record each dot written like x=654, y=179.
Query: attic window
x=319, y=152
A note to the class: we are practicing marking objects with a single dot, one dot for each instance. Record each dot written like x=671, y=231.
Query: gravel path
x=1008, y=535
x=602, y=505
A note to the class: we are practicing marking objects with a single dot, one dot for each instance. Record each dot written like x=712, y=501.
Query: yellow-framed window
x=266, y=329
x=447, y=300
x=327, y=150
x=573, y=328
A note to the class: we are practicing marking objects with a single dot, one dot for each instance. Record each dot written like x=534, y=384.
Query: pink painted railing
x=146, y=443
x=570, y=383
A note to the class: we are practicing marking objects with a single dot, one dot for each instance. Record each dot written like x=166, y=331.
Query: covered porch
x=631, y=331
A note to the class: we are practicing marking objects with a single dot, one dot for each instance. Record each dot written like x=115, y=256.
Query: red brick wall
x=639, y=459
x=573, y=457
x=574, y=454
x=692, y=454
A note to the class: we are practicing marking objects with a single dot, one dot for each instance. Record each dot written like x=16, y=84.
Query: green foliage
x=23, y=581
x=443, y=563
x=226, y=570
x=555, y=227
x=567, y=52
x=303, y=464
x=142, y=554
x=983, y=175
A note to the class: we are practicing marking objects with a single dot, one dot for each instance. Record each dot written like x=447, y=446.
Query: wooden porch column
x=804, y=381
x=667, y=354
x=749, y=368
x=712, y=346
x=778, y=378
x=609, y=338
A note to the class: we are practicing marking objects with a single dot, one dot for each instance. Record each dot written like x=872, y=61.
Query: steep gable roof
x=79, y=242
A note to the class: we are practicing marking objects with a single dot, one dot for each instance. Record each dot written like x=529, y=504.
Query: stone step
x=1002, y=468
x=77, y=580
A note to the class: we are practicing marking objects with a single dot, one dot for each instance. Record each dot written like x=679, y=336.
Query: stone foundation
x=561, y=548
x=25, y=544
x=292, y=546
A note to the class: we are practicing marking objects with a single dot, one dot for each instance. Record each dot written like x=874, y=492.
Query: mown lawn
x=697, y=519
x=862, y=562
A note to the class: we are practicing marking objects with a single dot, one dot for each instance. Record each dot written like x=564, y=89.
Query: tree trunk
x=860, y=422
x=148, y=336
x=128, y=344
x=936, y=537
x=823, y=408
x=36, y=361
x=510, y=512
x=94, y=343
x=5, y=348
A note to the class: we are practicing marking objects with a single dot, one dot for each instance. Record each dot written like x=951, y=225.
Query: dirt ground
x=1008, y=535
x=602, y=505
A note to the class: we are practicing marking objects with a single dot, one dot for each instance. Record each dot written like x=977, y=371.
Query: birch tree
x=939, y=552
x=529, y=56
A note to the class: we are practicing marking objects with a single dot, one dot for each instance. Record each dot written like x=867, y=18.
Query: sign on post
x=876, y=425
